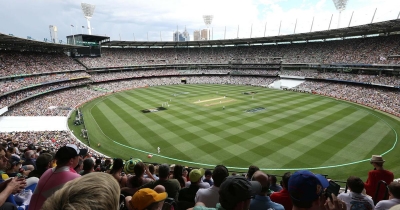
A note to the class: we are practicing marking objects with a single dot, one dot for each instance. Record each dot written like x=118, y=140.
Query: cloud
x=123, y=18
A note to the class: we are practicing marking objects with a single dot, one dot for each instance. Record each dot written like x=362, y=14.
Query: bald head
x=262, y=178
x=29, y=154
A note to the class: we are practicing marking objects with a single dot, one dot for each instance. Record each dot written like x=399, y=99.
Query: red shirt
x=282, y=197
x=374, y=177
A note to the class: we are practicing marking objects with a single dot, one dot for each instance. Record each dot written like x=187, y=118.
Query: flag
x=72, y=26
x=83, y=26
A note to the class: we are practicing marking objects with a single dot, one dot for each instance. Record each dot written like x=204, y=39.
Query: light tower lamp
x=208, y=20
x=88, y=10
x=340, y=6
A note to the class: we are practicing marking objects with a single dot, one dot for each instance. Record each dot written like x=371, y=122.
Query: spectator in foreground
x=53, y=179
x=188, y=194
x=15, y=168
x=210, y=196
x=10, y=186
x=88, y=166
x=262, y=201
x=396, y=207
x=283, y=196
x=86, y=192
x=43, y=162
x=394, y=197
x=147, y=198
x=178, y=175
x=374, y=176
x=207, y=177
x=99, y=167
x=152, y=171
x=273, y=186
x=134, y=182
x=30, y=158
x=306, y=191
x=355, y=199
x=116, y=172
x=251, y=171
x=172, y=186
x=234, y=193
x=79, y=167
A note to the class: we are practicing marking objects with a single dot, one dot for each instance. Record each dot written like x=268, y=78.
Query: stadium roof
x=368, y=29
x=90, y=38
x=7, y=41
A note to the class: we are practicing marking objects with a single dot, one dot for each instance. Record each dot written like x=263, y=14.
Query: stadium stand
x=32, y=81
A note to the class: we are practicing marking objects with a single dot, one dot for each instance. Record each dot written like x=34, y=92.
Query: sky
x=156, y=20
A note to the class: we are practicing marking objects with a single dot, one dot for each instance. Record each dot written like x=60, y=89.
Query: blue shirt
x=263, y=203
x=275, y=188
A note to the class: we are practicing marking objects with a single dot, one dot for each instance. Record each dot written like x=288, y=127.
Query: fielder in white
x=158, y=149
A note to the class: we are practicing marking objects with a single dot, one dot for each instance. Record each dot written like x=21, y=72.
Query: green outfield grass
x=275, y=130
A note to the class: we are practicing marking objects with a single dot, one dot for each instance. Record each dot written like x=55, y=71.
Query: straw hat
x=377, y=159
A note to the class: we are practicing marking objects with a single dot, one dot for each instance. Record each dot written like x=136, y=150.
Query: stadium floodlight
x=88, y=10
x=208, y=20
x=340, y=6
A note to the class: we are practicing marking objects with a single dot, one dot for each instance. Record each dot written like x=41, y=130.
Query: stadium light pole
x=73, y=37
x=88, y=10
x=208, y=20
x=340, y=6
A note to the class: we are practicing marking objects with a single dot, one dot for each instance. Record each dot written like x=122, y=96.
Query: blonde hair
x=93, y=191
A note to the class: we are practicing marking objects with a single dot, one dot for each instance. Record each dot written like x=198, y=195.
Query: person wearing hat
x=187, y=195
x=235, y=193
x=54, y=178
x=374, y=176
x=306, y=191
x=147, y=198
x=15, y=167
x=9, y=186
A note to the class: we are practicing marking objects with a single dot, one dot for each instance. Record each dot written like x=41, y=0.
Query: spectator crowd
x=17, y=63
x=362, y=78
x=56, y=171
x=375, y=97
x=372, y=50
x=11, y=85
x=10, y=99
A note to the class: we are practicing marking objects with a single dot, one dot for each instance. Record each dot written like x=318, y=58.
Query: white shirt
x=356, y=201
x=201, y=185
x=387, y=204
x=209, y=196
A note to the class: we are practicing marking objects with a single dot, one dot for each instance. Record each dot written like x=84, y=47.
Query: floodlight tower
x=340, y=6
x=88, y=10
x=207, y=20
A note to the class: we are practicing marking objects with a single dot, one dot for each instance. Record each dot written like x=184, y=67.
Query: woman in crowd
x=178, y=175
x=116, y=172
